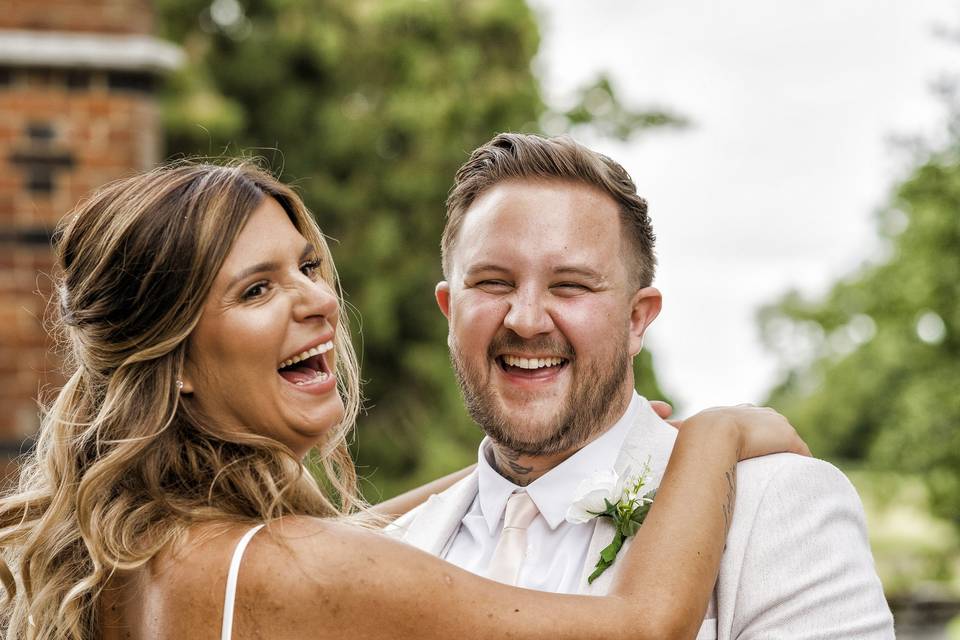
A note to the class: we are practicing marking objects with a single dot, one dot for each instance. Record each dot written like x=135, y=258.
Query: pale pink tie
x=512, y=546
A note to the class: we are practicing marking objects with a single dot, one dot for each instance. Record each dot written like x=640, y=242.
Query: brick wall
x=63, y=133
x=97, y=16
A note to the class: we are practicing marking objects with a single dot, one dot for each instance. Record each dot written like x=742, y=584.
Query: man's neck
x=523, y=468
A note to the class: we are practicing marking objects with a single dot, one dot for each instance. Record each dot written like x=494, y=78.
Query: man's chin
x=523, y=434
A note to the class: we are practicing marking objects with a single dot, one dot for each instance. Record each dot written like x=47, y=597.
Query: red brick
x=110, y=135
x=106, y=16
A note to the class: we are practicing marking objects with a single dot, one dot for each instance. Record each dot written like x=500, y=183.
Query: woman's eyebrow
x=262, y=267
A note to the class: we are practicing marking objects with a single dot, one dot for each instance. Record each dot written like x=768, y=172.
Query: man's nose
x=316, y=299
x=528, y=315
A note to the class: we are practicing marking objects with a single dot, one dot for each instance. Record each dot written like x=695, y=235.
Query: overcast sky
x=794, y=106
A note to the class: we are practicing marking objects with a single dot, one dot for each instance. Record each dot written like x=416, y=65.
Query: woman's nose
x=317, y=299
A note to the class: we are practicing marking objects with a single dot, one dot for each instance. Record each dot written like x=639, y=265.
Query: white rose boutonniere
x=619, y=497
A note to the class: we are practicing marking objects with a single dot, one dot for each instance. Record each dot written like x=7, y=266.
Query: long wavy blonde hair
x=123, y=464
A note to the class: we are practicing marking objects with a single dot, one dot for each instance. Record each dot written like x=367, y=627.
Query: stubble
x=583, y=413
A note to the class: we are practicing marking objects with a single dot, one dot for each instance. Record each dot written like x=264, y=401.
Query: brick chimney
x=77, y=110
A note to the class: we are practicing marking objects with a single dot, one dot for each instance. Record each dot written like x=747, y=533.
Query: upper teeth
x=531, y=363
x=309, y=353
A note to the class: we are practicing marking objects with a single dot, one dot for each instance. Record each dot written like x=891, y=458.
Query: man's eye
x=570, y=287
x=493, y=285
x=254, y=291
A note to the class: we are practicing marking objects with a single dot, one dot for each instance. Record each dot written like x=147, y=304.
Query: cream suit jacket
x=797, y=565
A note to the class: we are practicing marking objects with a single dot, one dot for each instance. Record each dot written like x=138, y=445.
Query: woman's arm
x=687, y=524
x=410, y=500
x=334, y=580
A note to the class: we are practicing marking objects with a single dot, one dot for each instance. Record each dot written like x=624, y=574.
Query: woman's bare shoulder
x=198, y=562
x=303, y=573
x=305, y=553
x=199, y=558
x=179, y=591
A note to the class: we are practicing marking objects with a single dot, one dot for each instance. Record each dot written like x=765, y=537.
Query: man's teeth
x=531, y=363
x=309, y=353
x=317, y=376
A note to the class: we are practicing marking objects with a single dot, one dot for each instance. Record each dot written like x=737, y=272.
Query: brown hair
x=123, y=464
x=522, y=156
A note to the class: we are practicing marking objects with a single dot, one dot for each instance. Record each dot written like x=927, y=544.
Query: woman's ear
x=186, y=378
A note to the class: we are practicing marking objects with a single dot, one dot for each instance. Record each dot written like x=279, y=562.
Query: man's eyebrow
x=263, y=267
x=578, y=270
x=485, y=266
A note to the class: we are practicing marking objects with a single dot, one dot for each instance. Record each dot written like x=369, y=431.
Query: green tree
x=369, y=107
x=877, y=378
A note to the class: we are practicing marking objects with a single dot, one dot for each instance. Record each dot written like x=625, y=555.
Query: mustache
x=510, y=341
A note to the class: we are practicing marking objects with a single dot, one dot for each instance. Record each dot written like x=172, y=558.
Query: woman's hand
x=664, y=410
x=759, y=430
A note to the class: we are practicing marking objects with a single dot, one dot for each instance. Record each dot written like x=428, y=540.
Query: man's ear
x=644, y=308
x=442, y=294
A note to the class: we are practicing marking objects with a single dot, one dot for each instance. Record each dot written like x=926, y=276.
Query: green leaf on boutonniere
x=607, y=556
x=611, y=550
x=640, y=513
x=627, y=511
x=601, y=567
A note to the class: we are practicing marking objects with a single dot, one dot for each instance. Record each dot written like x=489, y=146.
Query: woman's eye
x=254, y=291
x=311, y=269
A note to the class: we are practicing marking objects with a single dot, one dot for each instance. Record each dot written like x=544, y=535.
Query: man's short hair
x=521, y=156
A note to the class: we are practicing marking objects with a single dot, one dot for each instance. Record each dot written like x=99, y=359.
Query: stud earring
x=179, y=385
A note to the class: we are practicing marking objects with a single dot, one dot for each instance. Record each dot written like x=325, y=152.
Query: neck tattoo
x=507, y=463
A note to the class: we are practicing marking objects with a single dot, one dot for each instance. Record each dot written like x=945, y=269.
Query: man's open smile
x=531, y=367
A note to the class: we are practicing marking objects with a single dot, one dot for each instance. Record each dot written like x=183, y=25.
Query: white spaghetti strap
x=226, y=629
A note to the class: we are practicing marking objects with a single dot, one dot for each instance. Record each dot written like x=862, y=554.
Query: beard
x=584, y=411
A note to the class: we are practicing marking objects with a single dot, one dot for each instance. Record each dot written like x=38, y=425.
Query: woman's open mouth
x=307, y=367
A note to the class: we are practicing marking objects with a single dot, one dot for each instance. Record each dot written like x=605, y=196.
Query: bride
x=208, y=361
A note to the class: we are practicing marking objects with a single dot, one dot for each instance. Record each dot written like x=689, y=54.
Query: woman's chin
x=317, y=427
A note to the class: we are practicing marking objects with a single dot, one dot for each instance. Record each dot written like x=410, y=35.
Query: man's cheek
x=485, y=316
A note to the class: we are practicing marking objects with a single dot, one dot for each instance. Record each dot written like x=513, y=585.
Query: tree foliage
x=875, y=370
x=368, y=107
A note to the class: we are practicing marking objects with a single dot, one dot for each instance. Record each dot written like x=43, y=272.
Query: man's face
x=543, y=319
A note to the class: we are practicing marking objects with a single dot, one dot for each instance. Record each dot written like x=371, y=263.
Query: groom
x=548, y=260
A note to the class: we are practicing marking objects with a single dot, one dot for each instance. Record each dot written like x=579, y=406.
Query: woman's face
x=261, y=357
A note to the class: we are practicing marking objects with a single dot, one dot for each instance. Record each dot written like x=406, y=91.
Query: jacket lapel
x=650, y=438
x=602, y=536
x=439, y=518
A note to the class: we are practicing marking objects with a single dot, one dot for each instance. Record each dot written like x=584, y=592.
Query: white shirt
x=556, y=549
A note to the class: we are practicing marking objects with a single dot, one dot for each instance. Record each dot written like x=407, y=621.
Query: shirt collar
x=554, y=491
